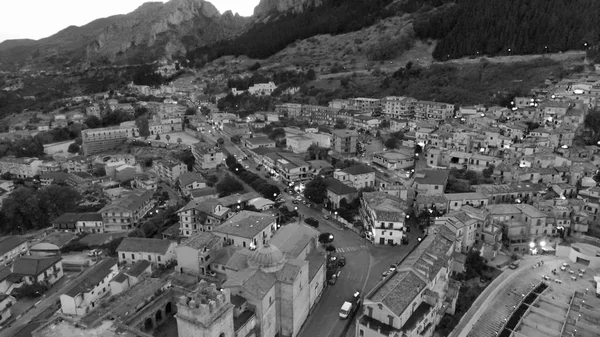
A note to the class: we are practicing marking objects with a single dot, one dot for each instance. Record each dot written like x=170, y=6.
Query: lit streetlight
x=532, y=245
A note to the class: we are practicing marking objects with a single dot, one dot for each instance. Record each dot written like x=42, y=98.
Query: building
x=103, y=139
x=130, y=277
x=398, y=106
x=123, y=213
x=86, y=293
x=235, y=128
x=196, y=254
x=20, y=167
x=31, y=269
x=169, y=170
x=395, y=159
x=431, y=181
x=6, y=303
x=439, y=112
x=66, y=222
x=155, y=251
x=206, y=157
x=12, y=247
x=384, y=216
x=190, y=181
x=262, y=89
x=247, y=229
x=455, y=201
x=345, y=142
x=411, y=301
x=201, y=216
x=298, y=143
x=357, y=176
x=144, y=181
x=338, y=191
x=258, y=142
x=292, y=169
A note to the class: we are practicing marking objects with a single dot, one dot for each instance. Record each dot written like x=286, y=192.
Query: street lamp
x=531, y=245
x=542, y=244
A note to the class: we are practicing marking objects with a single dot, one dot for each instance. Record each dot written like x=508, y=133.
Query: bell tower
x=205, y=312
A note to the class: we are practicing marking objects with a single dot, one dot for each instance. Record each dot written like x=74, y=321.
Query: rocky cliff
x=152, y=31
x=272, y=8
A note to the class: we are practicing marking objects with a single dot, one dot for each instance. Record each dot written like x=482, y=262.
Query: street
x=41, y=313
x=365, y=264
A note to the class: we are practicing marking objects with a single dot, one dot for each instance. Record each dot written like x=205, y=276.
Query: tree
x=168, y=138
x=230, y=161
x=179, y=140
x=93, y=122
x=488, y=171
x=391, y=143
x=157, y=137
x=311, y=75
x=73, y=148
x=211, y=180
x=220, y=141
x=228, y=185
x=143, y=126
x=191, y=111
x=316, y=190
x=277, y=134
x=340, y=124
x=99, y=172
x=137, y=233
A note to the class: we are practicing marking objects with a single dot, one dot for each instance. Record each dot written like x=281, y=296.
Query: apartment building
x=409, y=302
x=258, y=142
x=431, y=181
x=123, y=213
x=384, y=216
x=437, y=111
x=345, y=142
x=247, y=229
x=155, y=251
x=524, y=223
x=357, y=176
x=196, y=254
x=292, y=169
x=103, y=139
x=20, y=167
x=395, y=106
x=206, y=157
x=298, y=143
x=235, y=128
x=11, y=247
x=400, y=159
x=291, y=109
x=201, y=216
x=169, y=170
x=85, y=294
x=90, y=223
x=365, y=105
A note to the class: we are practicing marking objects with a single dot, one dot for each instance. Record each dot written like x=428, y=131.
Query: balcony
x=422, y=312
x=373, y=324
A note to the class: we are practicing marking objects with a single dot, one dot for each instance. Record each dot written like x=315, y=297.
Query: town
x=168, y=216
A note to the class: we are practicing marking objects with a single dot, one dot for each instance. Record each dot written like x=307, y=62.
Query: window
x=149, y=257
x=132, y=256
x=390, y=320
x=370, y=310
x=158, y=258
x=361, y=333
x=123, y=254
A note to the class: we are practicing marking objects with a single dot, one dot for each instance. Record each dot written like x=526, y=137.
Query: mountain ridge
x=154, y=30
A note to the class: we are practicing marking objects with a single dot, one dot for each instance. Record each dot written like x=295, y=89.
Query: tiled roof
x=93, y=216
x=315, y=260
x=9, y=243
x=245, y=224
x=431, y=177
x=204, y=192
x=34, y=265
x=464, y=196
x=144, y=245
x=190, y=177
x=4, y=273
x=502, y=209
x=290, y=270
x=358, y=169
x=292, y=239
x=69, y=218
x=234, y=198
x=399, y=290
x=131, y=202
x=201, y=240
x=138, y=268
x=338, y=187
x=97, y=273
x=120, y=278
x=225, y=254
x=385, y=206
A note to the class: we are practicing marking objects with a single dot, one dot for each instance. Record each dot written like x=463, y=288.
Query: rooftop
x=30, y=265
x=145, y=245
x=338, y=187
x=190, y=177
x=245, y=224
x=358, y=169
x=62, y=328
x=130, y=202
x=8, y=243
x=97, y=273
x=292, y=239
x=431, y=177
x=201, y=240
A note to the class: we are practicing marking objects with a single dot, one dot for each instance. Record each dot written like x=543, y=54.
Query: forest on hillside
x=332, y=17
x=503, y=27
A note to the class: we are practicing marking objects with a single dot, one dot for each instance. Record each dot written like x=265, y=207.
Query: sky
x=36, y=19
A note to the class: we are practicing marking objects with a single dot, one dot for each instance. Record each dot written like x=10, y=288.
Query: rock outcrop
x=272, y=8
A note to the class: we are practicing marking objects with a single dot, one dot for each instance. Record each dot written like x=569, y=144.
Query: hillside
x=152, y=31
x=500, y=27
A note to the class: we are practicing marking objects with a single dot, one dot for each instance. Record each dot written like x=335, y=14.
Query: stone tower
x=205, y=312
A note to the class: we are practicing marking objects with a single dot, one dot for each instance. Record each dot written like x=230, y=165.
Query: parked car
x=334, y=278
x=514, y=265
x=312, y=221
x=326, y=238
x=326, y=217
x=342, y=261
x=95, y=252
x=295, y=201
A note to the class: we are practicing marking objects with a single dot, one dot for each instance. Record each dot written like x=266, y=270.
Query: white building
x=156, y=251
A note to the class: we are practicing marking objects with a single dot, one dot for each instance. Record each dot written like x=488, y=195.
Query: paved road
x=484, y=300
x=37, y=316
x=364, y=267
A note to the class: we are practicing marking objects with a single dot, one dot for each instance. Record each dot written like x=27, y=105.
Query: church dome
x=268, y=258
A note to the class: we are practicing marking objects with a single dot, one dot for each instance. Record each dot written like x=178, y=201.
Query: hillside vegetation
x=500, y=27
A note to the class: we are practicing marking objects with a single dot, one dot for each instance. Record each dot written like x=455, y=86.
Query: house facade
x=155, y=251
